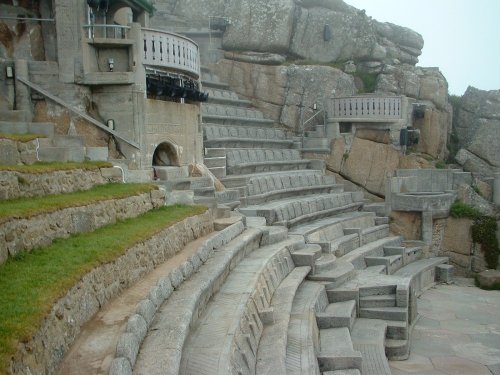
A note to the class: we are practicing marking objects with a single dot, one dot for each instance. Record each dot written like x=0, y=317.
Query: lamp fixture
x=9, y=72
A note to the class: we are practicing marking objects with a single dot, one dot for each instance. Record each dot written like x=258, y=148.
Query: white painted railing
x=366, y=108
x=107, y=31
x=168, y=50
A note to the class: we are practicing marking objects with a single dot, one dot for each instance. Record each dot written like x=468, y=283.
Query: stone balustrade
x=366, y=109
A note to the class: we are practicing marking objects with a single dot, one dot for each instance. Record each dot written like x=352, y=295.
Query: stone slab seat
x=227, y=335
x=291, y=212
x=303, y=334
x=244, y=161
x=337, y=315
x=421, y=273
x=161, y=350
x=271, y=354
x=266, y=188
x=226, y=136
x=337, y=351
x=368, y=336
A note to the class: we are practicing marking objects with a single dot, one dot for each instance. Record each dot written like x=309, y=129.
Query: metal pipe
x=27, y=19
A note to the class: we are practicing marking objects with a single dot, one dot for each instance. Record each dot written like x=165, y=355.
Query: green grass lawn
x=31, y=283
x=47, y=167
x=25, y=208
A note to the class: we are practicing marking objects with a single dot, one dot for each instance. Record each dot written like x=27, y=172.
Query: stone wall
x=13, y=152
x=27, y=185
x=43, y=353
x=21, y=234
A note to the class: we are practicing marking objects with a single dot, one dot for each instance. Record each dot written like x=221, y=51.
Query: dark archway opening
x=165, y=155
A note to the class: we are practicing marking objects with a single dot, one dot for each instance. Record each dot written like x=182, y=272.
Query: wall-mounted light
x=315, y=106
x=110, y=124
x=9, y=72
x=111, y=63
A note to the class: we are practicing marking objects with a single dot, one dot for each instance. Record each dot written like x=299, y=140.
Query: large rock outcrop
x=319, y=30
x=478, y=129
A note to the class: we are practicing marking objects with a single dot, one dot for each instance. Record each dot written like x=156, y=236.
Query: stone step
x=171, y=173
x=378, y=208
x=397, y=350
x=391, y=262
x=219, y=172
x=337, y=352
x=394, y=250
x=215, y=162
x=372, y=249
x=324, y=263
x=307, y=256
x=205, y=201
x=335, y=277
x=273, y=235
x=376, y=270
x=397, y=330
x=204, y=192
x=343, y=372
x=224, y=222
x=380, y=220
x=42, y=128
x=214, y=152
x=368, y=336
x=337, y=315
x=377, y=290
x=316, y=143
x=62, y=154
x=384, y=313
x=15, y=115
x=381, y=300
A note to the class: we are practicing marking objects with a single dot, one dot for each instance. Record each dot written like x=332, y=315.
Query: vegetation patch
x=21, y=137
x=23, y=208
x=483, y=231
x=369, y=80
x=47, y=167
x=31, y=283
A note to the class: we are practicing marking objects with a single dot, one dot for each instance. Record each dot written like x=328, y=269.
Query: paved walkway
x=458, y=332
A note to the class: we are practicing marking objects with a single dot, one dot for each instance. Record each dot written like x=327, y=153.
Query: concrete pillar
x=427, y=227
x=332, y=129
x=23, y=96
x=496, y=189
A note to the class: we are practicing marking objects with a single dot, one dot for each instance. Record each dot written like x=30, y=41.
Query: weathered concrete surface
x=457, y=332
x=489, y=278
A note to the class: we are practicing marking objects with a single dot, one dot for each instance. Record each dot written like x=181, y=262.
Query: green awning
x=138, y=5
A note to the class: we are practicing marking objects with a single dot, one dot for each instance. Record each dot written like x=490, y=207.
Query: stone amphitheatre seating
x=246, y=161
x=224, y=136
x=233, y=115
x=291, y=212
x=261, y=189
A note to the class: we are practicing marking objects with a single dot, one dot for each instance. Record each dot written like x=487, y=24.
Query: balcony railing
x=366, y=109
x=107, y=31
x=163, y=49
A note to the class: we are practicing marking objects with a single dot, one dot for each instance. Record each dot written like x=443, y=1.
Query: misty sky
x=462, y=37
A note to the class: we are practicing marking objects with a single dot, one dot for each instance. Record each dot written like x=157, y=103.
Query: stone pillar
x=496, y=189
x=427, y=227
x=332, y=129
x=23, y=97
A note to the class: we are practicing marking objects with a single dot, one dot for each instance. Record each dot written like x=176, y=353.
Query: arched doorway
x=166, y=155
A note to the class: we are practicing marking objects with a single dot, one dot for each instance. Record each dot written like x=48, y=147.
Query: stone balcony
x=366, y=108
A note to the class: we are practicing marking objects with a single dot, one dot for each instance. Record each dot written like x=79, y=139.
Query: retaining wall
x=45, y=351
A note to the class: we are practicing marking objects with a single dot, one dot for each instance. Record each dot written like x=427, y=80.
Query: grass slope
x=23, y=208
x=31, y=283
x=47, y=167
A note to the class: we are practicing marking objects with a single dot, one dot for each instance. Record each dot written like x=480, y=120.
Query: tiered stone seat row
x=230, y=111
x=225, y=136
x=291, y=212
x=227, y=337
x=161, y=350
x=266, y=188
x=246, y=161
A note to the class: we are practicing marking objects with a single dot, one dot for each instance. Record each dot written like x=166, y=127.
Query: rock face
x=477, y=127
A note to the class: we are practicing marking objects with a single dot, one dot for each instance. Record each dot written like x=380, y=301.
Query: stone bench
x=266, y=188
x=231, y=111
x=303, y=333
x=271, y=355
x=162, y=348
x=245, y=161
x=223, y=136
x=337, y=351
x=291, y=212
x=226, y=338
